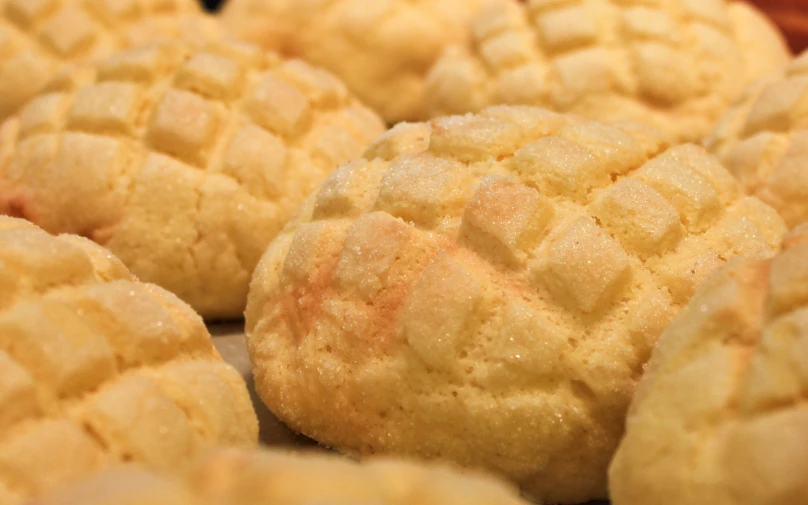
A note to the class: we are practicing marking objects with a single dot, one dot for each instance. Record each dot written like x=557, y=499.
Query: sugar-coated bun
x=97, y=368
x=486, y=289
x=242, y=477
x=382, y=49
x=41, y=37
x=720, y=416
x=763, y=140
x=676, y=65
x=184, y=162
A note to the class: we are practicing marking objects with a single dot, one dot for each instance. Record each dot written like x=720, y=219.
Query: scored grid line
x=653, y=272
x=587, y=210
x=48, y=11
x=532, y=12
x=66, y=300
x=258, y=181
x=224, y=133
x=373, y=280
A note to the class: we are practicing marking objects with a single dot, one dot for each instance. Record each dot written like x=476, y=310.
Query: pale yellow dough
x=38, y=38
x=486, y=289
x=184, y=162
x=98, y=368
x=229, y=476
x=676, y=65
x=763, y=140
x=382, y=49
x=720, y=416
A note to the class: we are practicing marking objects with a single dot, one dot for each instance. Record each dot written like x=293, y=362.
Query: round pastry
x=763, y=140
x=720, y=416
x=486, y=288
x=675, y=65
x=382, y=49
x=185, y=163
x=792, y=18
x=97, y=367
x=40, y=37
x=271, y=478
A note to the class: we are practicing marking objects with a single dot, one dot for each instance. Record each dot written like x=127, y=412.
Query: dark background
x=791, y=15
x=212, y=5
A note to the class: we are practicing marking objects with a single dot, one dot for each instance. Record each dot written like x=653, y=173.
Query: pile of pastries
x=489, y=252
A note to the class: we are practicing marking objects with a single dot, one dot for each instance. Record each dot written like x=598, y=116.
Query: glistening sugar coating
x=89, y=379
x=486, y=289
x=183, y=161
x=725, y=388
x=676, y=65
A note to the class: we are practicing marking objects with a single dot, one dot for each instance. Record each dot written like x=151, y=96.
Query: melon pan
x=99, y=368
x=499, y=277
x=184, y=161
x=674, y=65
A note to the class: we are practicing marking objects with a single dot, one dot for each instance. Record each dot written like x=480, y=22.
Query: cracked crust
x=41, y=37
x=184, y=162
x=486, y=289
x=720, y=416
x=763, y=140
x=382, y=49
x=272, y=477
x=675, y=65
x=97, y=367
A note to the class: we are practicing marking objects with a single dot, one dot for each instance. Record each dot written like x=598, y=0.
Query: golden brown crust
x=720, y=416
x=381, y=49
x=675, y=65
x=39, y=38
x=763, y=140
x=184, y=162
x=268, y=478
x=98, y=367
x=486, y=289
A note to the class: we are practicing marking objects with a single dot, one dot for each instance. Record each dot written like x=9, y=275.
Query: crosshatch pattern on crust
x=721, y=414
x=487, y=288
x=382, y=50
x=40, y=37
x=675, y=65
x=763, y=140
x=99, y=368
x=183, y=162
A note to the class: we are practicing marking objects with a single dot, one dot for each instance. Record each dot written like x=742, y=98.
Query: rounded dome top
x=270, y=477
x=41, y=37
x=763, y=140
x=486, y=288
x=720, y=416
x=381, y=49
x=98, y=368
x=184, y=161
x=676, y=65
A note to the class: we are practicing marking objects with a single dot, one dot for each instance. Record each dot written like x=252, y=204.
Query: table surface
x=229, y=340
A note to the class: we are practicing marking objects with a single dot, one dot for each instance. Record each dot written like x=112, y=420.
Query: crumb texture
x=676, y=65
x=184, y=162
x=99, y=368
x=267, y=477
x=382, y=49
x=720, y=416
x=486, y=289
x=41, y=37
x=763, y=140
